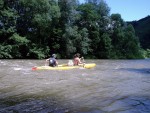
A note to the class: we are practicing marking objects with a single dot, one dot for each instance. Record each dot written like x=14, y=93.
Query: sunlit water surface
x=113, y=86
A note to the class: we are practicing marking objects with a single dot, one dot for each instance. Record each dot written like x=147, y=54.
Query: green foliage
x=37, y=28
x=142, y=31
x=105, y=47
x=103, y=8
x=7, y=21
x=84, y=42
x=132, y=48
x=1, y=4
x=117, y=20
x=76, y=41
x=70, y=37
x=5, y=51
x=16, y=39
x=19, y=46
x=146, y=53
x=38, y=52
x=88, y=12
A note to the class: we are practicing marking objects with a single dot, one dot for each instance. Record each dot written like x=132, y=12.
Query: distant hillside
x=142, y=29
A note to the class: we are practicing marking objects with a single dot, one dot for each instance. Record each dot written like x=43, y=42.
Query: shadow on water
x=56, y=104
x=32, y=104
x=141, y=70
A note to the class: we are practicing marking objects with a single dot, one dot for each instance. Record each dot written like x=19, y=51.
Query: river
x=113, y=86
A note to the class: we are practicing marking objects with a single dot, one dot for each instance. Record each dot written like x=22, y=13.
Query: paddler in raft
x=77, y=59
x=52, y=61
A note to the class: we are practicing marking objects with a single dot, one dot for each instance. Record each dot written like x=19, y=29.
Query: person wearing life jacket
x=52, y=60
x=77, y=59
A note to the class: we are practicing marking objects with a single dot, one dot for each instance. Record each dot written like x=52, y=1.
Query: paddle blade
x=34, y=68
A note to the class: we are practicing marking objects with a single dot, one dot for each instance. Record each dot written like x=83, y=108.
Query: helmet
x=54, y=55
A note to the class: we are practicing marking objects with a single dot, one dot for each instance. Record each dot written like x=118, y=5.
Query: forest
x=35, y=29
x=142, y=30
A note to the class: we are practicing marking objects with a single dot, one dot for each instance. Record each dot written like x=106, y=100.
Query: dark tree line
x=38, y=28
x=142, y=28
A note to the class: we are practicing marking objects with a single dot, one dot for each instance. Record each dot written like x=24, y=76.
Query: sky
x=130, y=10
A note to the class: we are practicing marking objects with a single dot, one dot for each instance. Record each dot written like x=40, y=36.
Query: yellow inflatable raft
x=64, y=67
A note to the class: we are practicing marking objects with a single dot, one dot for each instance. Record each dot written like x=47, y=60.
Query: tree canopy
x=38, y=28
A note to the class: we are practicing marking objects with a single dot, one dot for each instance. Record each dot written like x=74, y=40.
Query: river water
x=113, y=86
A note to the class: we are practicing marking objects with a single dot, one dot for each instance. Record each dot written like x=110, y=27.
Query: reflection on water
x=117, y=86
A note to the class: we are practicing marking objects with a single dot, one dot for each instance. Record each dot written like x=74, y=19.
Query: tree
x=105, y=47
x=40, y=19
x=117, y=21
x=19, y=46
x=37, y=28
x=131, y=44
x=89, y=20
x=8, y=18
x=12, y=44
x=66, y=22
x=83, y=42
